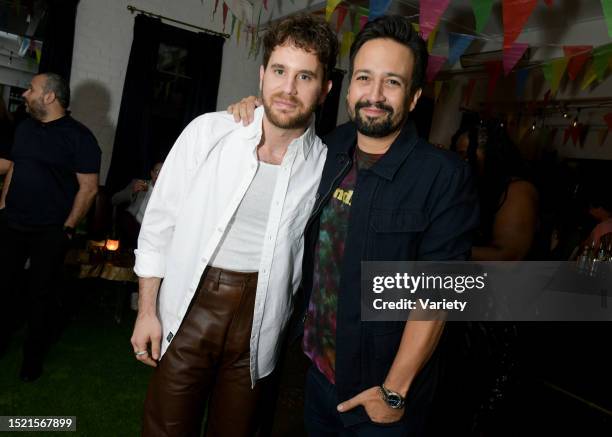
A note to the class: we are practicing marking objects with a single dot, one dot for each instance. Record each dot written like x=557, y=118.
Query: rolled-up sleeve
x=166, y=201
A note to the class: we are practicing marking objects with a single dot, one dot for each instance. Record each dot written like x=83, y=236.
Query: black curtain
x=327, y=114
x=136, y=144
x=58, y=39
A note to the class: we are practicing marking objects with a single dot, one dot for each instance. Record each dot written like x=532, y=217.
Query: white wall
x=103, y=37
x=591, y=32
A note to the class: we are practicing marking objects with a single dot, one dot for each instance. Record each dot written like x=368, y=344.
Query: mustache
x=368, y=104
x=289, y=98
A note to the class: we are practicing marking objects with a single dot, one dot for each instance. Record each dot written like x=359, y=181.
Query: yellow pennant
x=330, y=8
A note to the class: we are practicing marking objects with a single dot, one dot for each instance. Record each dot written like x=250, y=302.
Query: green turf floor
x=90, y=372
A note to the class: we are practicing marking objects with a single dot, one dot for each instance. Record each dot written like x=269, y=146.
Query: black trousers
x=46, y=250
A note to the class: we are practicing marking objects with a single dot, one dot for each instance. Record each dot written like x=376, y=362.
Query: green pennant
x=607, y=10
x=482, y=12
x=553, y=73
x=233, y=24
x=601, y=57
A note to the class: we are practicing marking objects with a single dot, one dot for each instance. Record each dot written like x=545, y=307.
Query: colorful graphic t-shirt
x=320, y=324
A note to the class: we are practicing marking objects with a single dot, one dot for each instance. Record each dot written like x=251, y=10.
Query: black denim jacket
x=416, y=203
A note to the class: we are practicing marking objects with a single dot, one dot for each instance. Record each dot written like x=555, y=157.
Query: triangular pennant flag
x=577, y=55
x=521, y=81
x=363, y=20
x=608, y=119
x=516, y=13
x=225, y=9
x=482, y=12
x=378, y=8
x=329, y=8
x=434, y=65
x=432, y=39
x=430, y=13
x=437, y=89
x=553, y=72
x=356, y=23
x=238, y=32
x=601, y=57
x=607, y=9
x=548, y=2
x=601, y=138
x=468, y=91
x=589, y=77
x=566, y=134
x=494, y=69
x=457, y=45
x=512, y=55
x=265, y=4
x=416, y=27
x=342, y=11
x=233, y=24
x=347, y=41
x=38, y=54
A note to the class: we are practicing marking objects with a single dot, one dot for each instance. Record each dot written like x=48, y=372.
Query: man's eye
x=393, y=82
x=362, y=77
x=279, y=72
x=305, y=77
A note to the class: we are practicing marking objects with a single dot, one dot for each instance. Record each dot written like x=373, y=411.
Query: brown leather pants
x=208, y=360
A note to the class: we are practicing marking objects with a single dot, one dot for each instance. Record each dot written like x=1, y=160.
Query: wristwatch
x=391, y=398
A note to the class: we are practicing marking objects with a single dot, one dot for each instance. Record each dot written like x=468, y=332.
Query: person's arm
x=88, y=188
x=5, y=166
x=147, y=329
x=5, y=187
x=514, y=226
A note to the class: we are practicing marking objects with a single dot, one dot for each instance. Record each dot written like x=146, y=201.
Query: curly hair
x=305, y=32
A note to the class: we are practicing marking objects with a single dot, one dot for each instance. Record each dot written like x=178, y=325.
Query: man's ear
x=49, y=97
x=325, y=91
x=414, y=99
x=262, y=70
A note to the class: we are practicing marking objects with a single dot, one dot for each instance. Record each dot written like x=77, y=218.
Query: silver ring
x=139, y=353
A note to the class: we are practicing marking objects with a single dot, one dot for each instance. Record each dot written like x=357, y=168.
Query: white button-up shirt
x=199, y=188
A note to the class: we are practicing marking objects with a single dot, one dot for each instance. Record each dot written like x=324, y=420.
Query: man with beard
x=224, y=229
x=50, y=187
x=385, y=195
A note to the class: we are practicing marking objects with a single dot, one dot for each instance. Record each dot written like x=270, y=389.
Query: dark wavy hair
x=502, y=161
x=306, y=32
x=400, y=30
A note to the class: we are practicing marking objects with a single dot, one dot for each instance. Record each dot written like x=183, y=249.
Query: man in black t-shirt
x=51, y=186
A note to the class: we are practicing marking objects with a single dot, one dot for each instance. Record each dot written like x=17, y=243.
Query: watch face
x=394, y=400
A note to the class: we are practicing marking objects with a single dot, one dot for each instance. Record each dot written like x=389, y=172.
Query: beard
x=375, y=127
x=36, y=109
x=300, y=119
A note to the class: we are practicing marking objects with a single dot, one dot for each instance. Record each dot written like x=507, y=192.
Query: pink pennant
x=225, y=9
x=494, y=69
x=342, y=11
x=512, y=55
x=363, y=20
x=433, y=67
x=431, y=11
x=578, y=56
x=516, y=13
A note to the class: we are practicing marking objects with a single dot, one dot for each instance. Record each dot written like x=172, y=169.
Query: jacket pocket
x=395, y=234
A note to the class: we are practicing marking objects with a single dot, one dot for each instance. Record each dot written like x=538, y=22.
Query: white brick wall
x=103, y=38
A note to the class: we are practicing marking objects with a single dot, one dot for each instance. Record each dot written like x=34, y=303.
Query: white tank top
x=240, y=247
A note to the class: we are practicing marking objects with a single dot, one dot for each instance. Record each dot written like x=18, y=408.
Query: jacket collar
x=304, y=142
x=388, y=165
